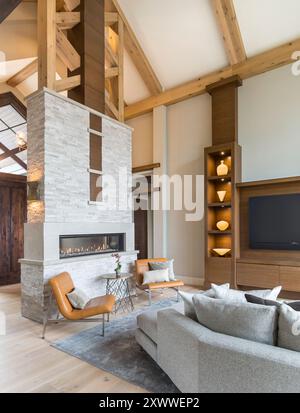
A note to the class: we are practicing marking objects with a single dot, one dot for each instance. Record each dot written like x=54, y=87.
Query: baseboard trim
x=194, y=281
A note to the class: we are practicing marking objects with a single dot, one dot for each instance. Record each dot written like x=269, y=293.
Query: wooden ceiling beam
x=111, y=72
x=66, y=52
x=264, y=62
x=67, y=5
x=111, y=18
x=230, y=30
x=23, y=74
x=67, y=20
x=137, y=54
x=15, y=151
x=13, y=156
x=46, y=43
x=67, y=83
x=111, y=107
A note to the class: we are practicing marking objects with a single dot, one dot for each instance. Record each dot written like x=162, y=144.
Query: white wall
x=142, y=140
x=269, y=125
x=189, y=132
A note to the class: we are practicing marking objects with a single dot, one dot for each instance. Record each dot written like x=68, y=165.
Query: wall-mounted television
x=274, y=222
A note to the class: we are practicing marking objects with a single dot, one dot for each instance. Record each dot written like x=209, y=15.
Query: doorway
x=13, y=211
x=143, y=218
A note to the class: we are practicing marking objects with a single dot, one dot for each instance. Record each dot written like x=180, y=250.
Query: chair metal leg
x=150, y=298
x=103, y=325
x=45, y=325
x=108, y=317
x=46, y=314
x=178, y=296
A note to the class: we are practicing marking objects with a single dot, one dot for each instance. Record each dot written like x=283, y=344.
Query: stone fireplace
x=65, y=230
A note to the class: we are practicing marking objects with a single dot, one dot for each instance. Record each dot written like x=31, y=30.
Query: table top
x=123, y=276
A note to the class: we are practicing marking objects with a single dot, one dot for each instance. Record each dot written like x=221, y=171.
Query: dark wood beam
x=10, y=99
x=7, y=7
x=13, y=156
x=145, y=168
x=15, y=151
x=88, y=38
x=12, y=178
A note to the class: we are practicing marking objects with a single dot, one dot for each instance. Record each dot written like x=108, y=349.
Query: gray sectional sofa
x=199, y=360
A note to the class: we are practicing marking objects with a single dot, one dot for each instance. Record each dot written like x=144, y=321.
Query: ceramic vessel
x=222, y=195
x=222, y=169
x=221, y=251
x=222, y=225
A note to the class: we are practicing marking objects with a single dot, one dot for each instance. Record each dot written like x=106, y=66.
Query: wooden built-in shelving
x=221, y=269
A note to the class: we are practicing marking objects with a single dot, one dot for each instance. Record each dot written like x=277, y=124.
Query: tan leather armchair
x=62, y=285
x=143, y=265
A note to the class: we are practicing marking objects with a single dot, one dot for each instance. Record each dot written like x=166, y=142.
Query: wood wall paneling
x=13, y=206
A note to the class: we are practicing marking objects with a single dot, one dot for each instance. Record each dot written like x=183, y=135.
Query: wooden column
x=225, y=110
x=88, y=38
x=121, y=69
x=46, y=43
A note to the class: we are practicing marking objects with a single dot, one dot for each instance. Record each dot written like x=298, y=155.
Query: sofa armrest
x=202, y=361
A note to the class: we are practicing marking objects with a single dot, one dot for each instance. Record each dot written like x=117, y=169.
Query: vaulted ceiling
x=181, y=38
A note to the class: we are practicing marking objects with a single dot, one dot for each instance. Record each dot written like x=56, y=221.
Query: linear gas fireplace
x=81, y=245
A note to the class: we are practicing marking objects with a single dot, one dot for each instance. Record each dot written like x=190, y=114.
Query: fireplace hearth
x=83, y=245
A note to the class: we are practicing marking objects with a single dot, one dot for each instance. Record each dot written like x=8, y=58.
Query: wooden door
x=13, y=205
x=141, y=233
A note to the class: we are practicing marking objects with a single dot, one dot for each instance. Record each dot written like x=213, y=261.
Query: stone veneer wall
x=58, y=154
x=58, y=157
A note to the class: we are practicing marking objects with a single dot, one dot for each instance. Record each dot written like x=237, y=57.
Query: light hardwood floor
x=29, y=364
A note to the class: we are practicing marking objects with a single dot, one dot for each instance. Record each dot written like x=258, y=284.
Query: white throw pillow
x=154, y=266
x=158, y=276
x=289, y=328
x=78, y=299
x=239, y=296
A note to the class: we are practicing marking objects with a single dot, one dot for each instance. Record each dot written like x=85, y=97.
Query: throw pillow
x=78, y=299
x=244, y=320
x=158, y=276
x=261, y=301
x=239, y=296
x=289, y=328
x=189, y=308
x=162, y=266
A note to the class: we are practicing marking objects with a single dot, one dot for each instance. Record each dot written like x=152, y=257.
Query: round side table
x=119, y=287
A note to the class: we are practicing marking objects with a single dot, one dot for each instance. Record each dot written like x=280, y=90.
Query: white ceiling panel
x=180, y=38
x=267, y=23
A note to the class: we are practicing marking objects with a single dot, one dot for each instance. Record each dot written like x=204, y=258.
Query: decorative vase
x=222, y=169
x=222, y=195
x=222, y=225
x=221, y=251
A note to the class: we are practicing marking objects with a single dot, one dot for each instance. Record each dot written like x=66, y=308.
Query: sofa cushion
x=244, y=320
x=289, y=328
x=147, y=321
x=189, y=308
x=239, y=296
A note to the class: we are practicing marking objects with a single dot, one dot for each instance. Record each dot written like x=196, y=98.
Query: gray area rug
x=119, y=354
